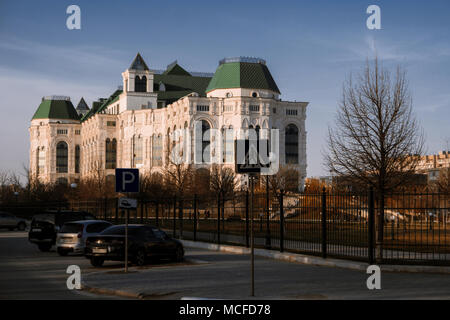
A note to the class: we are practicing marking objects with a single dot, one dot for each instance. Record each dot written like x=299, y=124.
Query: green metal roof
x=97, y=107
x=249, y=75
x=177, y=85
x=56, y=109
x=175, y=69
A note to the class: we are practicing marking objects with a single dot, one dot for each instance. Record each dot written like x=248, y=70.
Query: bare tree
x=376, y=140
x=223, y=180
x=178, y=177
x=286, y=179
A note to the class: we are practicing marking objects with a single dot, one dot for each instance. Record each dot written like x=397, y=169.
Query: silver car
x=72, y=236
x=11, y=222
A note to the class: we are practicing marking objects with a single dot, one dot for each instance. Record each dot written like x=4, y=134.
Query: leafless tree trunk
x=376, y=139
x=178, y=176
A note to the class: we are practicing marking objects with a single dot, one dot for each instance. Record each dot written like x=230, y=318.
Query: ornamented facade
x=135, y=125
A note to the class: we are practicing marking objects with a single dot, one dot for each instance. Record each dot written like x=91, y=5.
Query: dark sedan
x=143, y=242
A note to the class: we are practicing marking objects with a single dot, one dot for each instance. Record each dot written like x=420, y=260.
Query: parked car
x=46, y=225
x=143, y=242
x=11, y=222
x=72, y=236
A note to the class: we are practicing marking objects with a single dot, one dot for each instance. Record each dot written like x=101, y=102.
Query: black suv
x=46, y=225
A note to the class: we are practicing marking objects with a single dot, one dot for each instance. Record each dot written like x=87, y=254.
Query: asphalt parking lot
x=27, y=273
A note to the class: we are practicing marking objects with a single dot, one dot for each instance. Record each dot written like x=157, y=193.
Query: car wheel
x=140, y=257
x=44, y=247
x=62, y=252
x=97, y=262
x=21, y=226
x=179, y=254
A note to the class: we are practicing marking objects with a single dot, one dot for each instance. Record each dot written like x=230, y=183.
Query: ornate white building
x=132, y=127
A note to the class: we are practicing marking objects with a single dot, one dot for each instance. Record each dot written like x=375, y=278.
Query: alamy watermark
x=74, y=20
x=226, y=146
x=373, y=22
x=374, y=281
x=74, y=280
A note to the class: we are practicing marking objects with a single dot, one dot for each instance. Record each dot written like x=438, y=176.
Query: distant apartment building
x=432, y=165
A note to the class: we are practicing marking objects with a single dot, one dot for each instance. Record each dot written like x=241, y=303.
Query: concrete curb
x=111, y=292
x=312, y=260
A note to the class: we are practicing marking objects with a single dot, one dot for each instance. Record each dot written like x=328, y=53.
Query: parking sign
x=127, y=180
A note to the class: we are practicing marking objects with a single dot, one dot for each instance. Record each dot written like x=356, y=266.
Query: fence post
x=268, y=242
x=195, y=217
x=247, y=244
x=371, y=225
x=218, y=219
x=281, y=222
x=324, y=223
x=175, y=217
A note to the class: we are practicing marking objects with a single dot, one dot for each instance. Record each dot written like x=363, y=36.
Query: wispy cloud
x=86, y=56
x=20, y=101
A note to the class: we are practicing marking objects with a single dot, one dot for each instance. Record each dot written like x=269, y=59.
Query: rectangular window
x=203, y=108
x=61, y=131
x=111, y=123
x=291, y=112
x=228, y=108
x=77, y=132
x=254, y=108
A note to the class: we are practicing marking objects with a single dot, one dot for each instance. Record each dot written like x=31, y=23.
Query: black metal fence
x=416, y=228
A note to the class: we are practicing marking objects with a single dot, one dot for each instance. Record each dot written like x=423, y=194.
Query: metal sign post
x=248, y=161
x=127, y=181
x=127, y=216
x=252, y=238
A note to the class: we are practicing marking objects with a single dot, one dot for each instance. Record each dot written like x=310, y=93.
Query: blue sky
x=310, y=47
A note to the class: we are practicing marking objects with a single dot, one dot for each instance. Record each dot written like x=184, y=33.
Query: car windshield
x=71, y=228
x=120, y=231
x=44, y=217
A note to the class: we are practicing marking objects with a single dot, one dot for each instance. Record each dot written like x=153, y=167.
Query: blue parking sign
x=127, y=180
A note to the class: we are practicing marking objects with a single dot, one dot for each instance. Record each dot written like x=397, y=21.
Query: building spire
x=82, y=107
x=138, y=63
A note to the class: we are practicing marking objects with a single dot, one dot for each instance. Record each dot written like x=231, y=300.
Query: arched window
x=228, y=144
x=111, y=154
x=40, y=160
x=37, y=161
x=157, y=150
x=62, y=152
x=138, y=158
x=77, y=159
x=291, y=144
x=206, y=141
x=140, y=84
